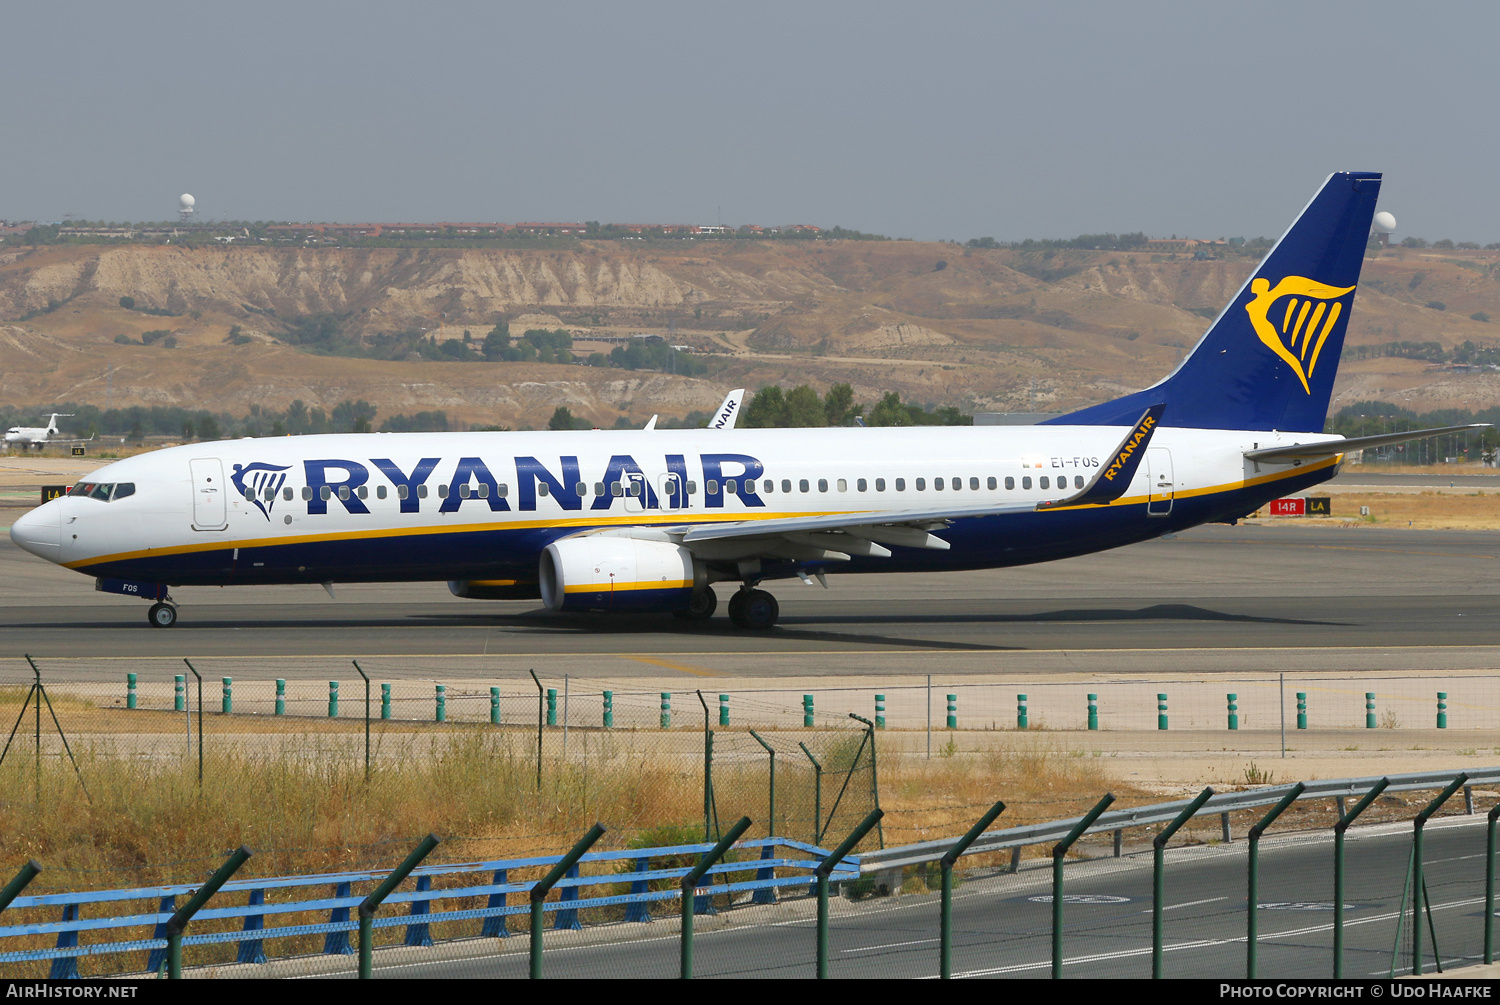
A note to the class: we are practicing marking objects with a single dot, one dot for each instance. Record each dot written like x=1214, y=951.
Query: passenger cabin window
x=270, y=494
x=402, y=492
x=463, y=491
x=767, y=486
x=598, y=488
x=580, y=490
x=380, y=492
x=484, y=491
x=958, y=483
x=921, y=484
x=325, y=493
x=422, y=491
x=786, y=485
x=1010, y=483
x=502, y=490
x=937, y=485
x=900, y=484
x=543, y=489
x=822, y=484
x=713, y=486
x=731, y=486
x=1026, y=482
x=974, y=484
x=306, y=492
x=286, y=494
x=880, y=485
x=442, y=490
x=804, y=486
x=616, y=489
x=692, y=488
x=1045, y=483
x=843, y=485
x=364, y=493
x=1078, y=481
x=862, y=485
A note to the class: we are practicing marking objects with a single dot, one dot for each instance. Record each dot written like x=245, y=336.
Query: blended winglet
x=1114, y=478
x=1328, y=448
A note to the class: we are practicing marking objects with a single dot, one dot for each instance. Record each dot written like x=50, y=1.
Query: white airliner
x=38, y=436
x=648, y=520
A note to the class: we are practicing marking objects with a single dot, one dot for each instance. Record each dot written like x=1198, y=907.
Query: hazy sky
x=925, y=120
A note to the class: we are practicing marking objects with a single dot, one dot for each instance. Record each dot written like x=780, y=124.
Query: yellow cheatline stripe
x=612, y=587
x=626, y=520
x=695, y=671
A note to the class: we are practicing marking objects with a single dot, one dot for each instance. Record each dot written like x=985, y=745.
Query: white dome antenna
x=1384, y=222
x=185, y=204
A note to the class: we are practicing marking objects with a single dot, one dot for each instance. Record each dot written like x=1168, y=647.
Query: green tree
x=890, y=412
x=208, y=427
x=839, y=406
x=767, y=409
x=128, y=303
x=562, y=419
x=496, y=342
x=803, y=408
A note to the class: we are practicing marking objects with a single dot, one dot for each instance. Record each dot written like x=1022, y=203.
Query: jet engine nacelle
x=616, y=574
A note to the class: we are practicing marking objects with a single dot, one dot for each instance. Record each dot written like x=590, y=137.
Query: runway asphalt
x=1002, y=922
x=1243, y=597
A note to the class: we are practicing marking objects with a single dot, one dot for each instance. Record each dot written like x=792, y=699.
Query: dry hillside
x=987, y=330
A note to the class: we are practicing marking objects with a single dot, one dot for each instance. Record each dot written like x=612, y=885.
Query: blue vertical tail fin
x=1269, y=360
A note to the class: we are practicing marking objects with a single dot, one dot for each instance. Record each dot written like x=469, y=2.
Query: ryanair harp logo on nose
x=1294, y=319
x=259, y=484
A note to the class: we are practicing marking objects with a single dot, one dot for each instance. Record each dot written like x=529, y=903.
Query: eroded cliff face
x=937, y=323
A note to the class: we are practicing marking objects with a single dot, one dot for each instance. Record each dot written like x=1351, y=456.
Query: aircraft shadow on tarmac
x=792, y=629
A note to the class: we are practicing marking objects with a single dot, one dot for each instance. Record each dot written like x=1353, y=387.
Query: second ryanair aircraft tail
x=1270, y=358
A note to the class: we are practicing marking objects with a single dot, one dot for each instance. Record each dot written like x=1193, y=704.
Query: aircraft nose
x=40, y=532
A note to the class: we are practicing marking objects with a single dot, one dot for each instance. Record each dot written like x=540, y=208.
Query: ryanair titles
x=474, y=482
x=1141, y=433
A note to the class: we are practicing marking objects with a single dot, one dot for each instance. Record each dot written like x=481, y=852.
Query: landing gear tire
x=700, y=608
x=754, y=609
x=162, y=616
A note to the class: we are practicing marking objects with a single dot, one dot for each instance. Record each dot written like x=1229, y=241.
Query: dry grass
x=1475, y=509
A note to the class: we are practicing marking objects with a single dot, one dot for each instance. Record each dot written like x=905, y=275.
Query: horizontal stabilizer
x=1114, y=478
x=1327, y=448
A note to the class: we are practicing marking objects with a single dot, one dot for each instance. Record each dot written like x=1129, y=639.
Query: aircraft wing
x=1328, y=448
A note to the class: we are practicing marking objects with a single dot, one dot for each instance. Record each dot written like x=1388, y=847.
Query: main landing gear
x=162, y=615
x=700, y=608
x=754, y=609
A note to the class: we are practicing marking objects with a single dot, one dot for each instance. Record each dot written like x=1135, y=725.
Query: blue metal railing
x=799, y=860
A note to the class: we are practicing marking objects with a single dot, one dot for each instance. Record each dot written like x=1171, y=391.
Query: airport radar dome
x=187, y=201
x=1385, y=223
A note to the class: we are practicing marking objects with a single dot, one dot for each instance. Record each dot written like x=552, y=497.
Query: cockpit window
x=103, y=491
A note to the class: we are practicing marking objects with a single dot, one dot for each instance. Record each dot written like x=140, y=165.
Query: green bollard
x=807, y=711
x=1093, y=711
x=879, y=711
x=609, y=710
x=552, y=706
x=385, y=701
x=1234, y=711
x=494, y=706
x=280, y=696
x=333, y=699
x=723, y=709
x=441, y=714
x=953, y=711
x=1370, y=710
x=1442, y=710
x=227, y=705
x=1161, y=711
x=1021, y=720
x=666, y=710
x=130, y=699
x=179, y=693
x=1301, y=709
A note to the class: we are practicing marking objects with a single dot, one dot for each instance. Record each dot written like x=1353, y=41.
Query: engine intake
x=616, y=574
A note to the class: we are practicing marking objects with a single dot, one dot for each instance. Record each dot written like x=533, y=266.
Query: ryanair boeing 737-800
x=648, y=520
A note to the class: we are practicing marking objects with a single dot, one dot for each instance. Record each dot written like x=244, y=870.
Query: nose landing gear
x=753, y=609
x=162, y=615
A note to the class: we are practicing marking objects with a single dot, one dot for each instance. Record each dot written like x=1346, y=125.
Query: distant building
x=551, y=229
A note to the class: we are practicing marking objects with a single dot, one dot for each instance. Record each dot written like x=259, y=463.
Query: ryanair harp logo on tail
x=1294, y=318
